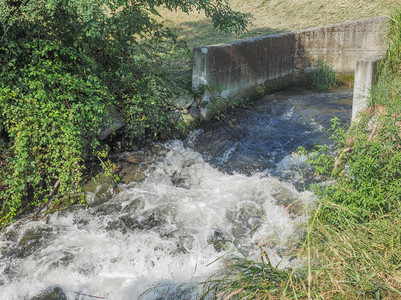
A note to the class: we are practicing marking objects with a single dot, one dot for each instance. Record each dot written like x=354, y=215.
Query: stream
x=183, y=208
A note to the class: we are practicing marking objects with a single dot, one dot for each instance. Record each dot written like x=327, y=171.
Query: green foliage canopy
x=63, y=63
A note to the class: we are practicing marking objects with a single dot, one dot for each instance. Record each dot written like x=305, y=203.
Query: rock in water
x=52, y=293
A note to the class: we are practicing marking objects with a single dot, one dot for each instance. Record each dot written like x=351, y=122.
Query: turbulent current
x=226, y=188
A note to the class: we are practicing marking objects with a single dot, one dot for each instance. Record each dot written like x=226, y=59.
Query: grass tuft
x=324, y=77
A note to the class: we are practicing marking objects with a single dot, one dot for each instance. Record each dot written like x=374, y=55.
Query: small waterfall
x=200, y=201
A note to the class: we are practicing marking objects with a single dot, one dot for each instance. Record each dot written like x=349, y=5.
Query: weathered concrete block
x=365, y=78
x=340, y=45
x=241, y=68
x=249, y=68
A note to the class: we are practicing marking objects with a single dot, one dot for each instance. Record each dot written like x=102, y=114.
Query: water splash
x=166, y=229
x=197, y=201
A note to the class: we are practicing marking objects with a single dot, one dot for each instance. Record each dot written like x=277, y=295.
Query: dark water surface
x=270, y=129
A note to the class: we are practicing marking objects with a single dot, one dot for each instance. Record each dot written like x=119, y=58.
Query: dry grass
x=271, y=16
x=348, y=261
x=362, y=264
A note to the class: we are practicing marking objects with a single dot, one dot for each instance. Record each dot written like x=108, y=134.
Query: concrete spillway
x=253, y=67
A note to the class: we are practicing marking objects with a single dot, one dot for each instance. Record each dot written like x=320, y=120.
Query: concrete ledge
x=250, y=68
x=365, y=78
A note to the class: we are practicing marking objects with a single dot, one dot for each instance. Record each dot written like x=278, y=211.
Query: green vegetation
x=64, y=66
x=352, y=240
x=323, y=78
x=388, y=93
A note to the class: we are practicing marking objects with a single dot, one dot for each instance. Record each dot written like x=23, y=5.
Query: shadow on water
x=260, y=136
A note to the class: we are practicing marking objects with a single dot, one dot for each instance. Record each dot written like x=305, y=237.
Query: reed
x=324, y=77
x=387, y=92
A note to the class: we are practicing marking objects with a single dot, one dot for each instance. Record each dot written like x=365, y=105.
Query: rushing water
x=222, y=189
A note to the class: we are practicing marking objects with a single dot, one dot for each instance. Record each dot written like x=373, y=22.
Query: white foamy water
x=156, y=239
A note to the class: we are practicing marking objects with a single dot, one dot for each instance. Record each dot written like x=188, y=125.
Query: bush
x=63, y=64
x=366, y=172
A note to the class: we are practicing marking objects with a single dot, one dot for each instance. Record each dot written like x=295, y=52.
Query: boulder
x=52, y=293
x=112, y=122
x=99, y=190
x=195, y=112
x=184, y=101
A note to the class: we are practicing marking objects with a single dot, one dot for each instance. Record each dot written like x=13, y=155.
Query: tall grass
x=324, y=77
x=247, y=279
x=388, y=92
x=357, y=260
x=350, y=260
x=352, y=245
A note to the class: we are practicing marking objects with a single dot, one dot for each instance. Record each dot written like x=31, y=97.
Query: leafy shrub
x=366, y=171
x=63, y=64
x=50, y=116
x=147, y=111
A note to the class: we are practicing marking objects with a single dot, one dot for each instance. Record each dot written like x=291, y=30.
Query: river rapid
x=227, y=187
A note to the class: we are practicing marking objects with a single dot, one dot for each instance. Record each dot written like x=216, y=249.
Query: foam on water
x=161, y=232
x=162, y=235
x=261, y=135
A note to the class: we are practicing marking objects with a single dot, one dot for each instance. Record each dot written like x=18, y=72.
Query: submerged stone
x=99, y=190
x=52, y=293
x=32, y=240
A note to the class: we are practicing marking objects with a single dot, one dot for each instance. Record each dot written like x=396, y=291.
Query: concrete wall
x=239, y=67
x=365, y=77
x=341, y=45
x=249, y=68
